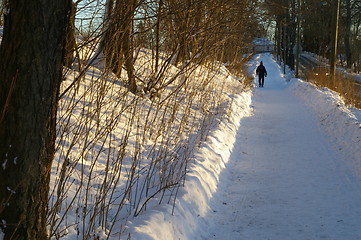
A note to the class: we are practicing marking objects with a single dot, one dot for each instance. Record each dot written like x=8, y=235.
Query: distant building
x=263, y=45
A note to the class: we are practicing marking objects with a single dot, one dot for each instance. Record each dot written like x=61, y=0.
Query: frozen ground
x=286, y=165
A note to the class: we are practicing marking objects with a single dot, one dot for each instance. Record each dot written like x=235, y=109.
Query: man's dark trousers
x=261, y=80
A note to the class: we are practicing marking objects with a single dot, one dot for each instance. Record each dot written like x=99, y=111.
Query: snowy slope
x=342, y=124
x=284, y=166
x=120, y=156
x=200, y=186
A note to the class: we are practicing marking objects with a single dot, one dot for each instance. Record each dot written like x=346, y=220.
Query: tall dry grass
x=239, y=69
x=348, y=89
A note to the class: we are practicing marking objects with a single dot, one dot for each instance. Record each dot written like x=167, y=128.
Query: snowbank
x=121, y=158
x=341, y=124
x=201, y=183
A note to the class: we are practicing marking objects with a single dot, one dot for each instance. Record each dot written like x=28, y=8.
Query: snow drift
x=341, y=123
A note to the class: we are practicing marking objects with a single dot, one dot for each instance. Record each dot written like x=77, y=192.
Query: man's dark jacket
x=261, y=71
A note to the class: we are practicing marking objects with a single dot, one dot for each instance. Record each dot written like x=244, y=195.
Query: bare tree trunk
x=127, y=48
x=98, y=56
x=31, y=58
x=181, y=24
x=157, y=36
x=70, y=38
x=2, y=11
x=118, y=48
x=348, y=33
x=334, y=37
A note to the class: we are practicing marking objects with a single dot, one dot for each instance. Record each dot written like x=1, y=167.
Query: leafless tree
x=30, y=75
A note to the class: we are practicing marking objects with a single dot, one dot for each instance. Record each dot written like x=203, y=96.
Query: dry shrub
x=239, y=69
x=347, y=87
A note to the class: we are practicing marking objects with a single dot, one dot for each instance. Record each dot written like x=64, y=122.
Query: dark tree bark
x=182, y=26
x=70, y=38
x=348, y=22
x=118, y=49
x=31, y=59
x=128, y=8
x=2, y=11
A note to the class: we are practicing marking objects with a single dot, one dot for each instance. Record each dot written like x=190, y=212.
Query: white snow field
x=286, y=165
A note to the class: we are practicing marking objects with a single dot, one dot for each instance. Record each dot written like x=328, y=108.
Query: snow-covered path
x=284, y=180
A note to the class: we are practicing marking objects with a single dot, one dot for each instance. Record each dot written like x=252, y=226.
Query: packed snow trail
x=284, y=180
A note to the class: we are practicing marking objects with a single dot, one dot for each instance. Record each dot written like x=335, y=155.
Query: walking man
x=261, y=72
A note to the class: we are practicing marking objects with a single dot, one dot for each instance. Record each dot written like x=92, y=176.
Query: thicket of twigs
x=141, y=91
x=345, y=85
